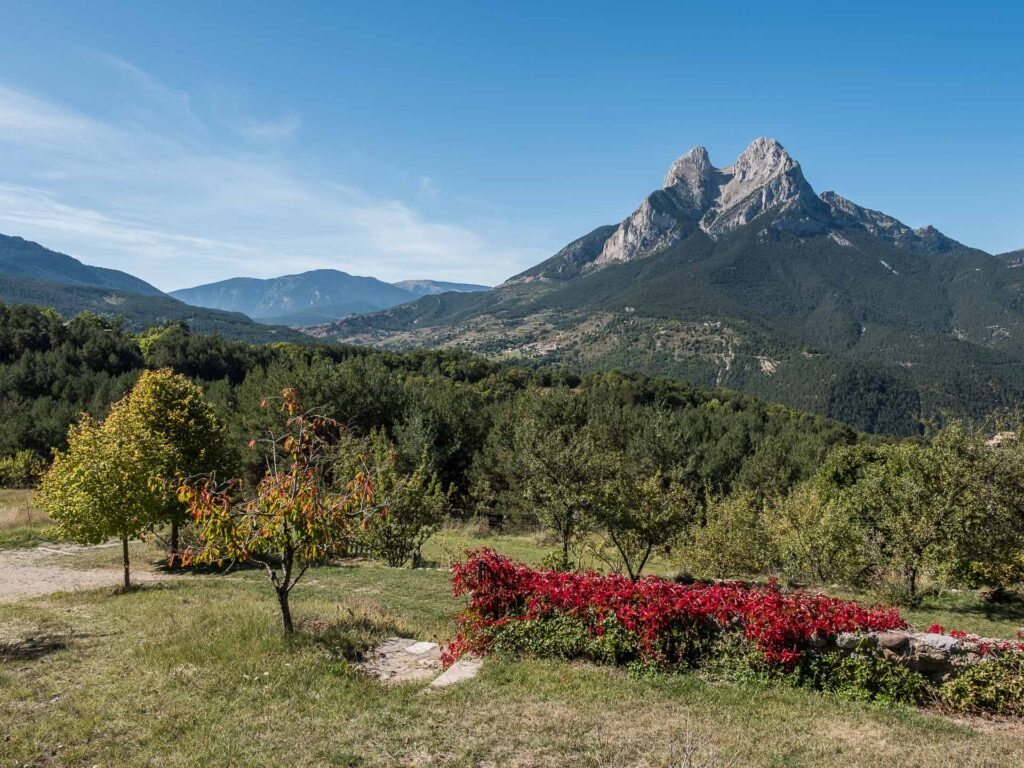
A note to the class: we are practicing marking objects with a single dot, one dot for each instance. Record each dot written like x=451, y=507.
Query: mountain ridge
x=814, y=290
x=31, y=273
x=312, y=297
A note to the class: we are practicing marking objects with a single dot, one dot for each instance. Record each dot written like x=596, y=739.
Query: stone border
x=939, y=657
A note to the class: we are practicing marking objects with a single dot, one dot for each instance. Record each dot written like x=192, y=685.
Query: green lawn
x=196, y=673
x=21, y=524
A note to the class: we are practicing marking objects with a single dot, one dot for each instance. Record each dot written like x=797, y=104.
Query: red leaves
x=781, y=624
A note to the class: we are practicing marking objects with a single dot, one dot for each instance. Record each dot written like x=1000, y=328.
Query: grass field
x=21, y=524
x=195, y=672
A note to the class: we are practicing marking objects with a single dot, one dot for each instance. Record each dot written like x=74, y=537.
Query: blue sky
x=189, y=142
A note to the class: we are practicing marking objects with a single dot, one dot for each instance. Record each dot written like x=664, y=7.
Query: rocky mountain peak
x=694, y=165
x=763, y=177
x=692, y=182
x=697, y=195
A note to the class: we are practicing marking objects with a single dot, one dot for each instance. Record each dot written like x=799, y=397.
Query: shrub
x=995, y=685
x=732, y=542
x=22, y=470
x=862, y=676
x=669, y=621
x=815, y=541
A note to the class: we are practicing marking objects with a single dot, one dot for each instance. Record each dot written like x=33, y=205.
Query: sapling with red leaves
x=295, y=517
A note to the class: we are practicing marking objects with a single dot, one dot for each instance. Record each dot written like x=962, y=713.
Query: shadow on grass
x=349, y=637
x=1009, y=609
x=32, y=648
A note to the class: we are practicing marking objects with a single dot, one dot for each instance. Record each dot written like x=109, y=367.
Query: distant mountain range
x=241, y=308
x=312, y=298
x=744, y=277
x=32, y=274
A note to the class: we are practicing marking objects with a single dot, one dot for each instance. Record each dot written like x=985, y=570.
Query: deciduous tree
x=107, y=482
x=294, y=517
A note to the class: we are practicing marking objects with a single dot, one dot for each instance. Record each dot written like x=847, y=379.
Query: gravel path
x=37, y=571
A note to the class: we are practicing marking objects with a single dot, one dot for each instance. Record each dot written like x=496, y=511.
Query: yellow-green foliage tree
x=104, y=484
x=294, y=517
x=173, y=409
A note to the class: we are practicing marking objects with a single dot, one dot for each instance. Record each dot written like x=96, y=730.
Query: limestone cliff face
x=697, y=195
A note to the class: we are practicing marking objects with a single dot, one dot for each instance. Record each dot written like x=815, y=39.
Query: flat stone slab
x=403, y=660
x=460, y=671
x=421, y=648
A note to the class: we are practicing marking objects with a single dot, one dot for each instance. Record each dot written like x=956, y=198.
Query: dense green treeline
x=455, y=408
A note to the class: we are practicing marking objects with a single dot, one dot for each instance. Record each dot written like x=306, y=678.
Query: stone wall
x=939, y=657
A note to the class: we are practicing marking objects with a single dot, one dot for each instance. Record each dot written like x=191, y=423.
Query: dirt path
x=38, y=571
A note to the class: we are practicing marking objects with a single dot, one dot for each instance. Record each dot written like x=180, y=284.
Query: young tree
x=173, y=408
x=815, y=540
x=103, y=484
x=412, y=506
x=921, y=504
x=294, y=517
x=561, y=477
x=640, y=514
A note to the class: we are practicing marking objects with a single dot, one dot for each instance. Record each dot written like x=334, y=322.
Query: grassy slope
x=21, y=524
x=196, y=673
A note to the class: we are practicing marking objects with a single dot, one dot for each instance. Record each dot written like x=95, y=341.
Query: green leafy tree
x=173, y=409
x=106, y=484
x=412, y=505
x=815, y=540
x=949, y=506
x=561, y=478
x=638, y=515
x=295, y=516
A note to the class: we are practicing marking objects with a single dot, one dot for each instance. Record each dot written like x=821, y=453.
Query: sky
x=192, y=142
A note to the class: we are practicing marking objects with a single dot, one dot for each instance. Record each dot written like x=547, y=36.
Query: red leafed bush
x=656, y=611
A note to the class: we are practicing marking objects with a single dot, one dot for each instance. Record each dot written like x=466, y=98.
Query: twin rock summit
x=696, y=195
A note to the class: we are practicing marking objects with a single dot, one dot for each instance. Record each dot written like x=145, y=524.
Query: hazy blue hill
x=311, y=298
x=283, y=297
x=139, y=311
x=24, y=258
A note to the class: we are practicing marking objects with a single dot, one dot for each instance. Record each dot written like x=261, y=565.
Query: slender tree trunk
x=175, y=558
x=284, y=588
x=286, y=613
x=912, y=583
x=124, y=559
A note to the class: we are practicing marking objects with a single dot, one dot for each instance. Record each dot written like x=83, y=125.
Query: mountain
x=743, y=276
x=311, y=298
x=24, y=258
x=433, y=287
x=1015, y=258
x=33, y=274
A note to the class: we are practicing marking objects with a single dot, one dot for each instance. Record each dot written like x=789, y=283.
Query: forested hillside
x=462, y=410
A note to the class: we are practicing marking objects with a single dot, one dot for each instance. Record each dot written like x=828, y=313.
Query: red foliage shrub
x=781, y=624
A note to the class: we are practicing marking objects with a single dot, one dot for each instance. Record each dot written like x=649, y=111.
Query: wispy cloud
x=283, y=127
x=171, y=205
